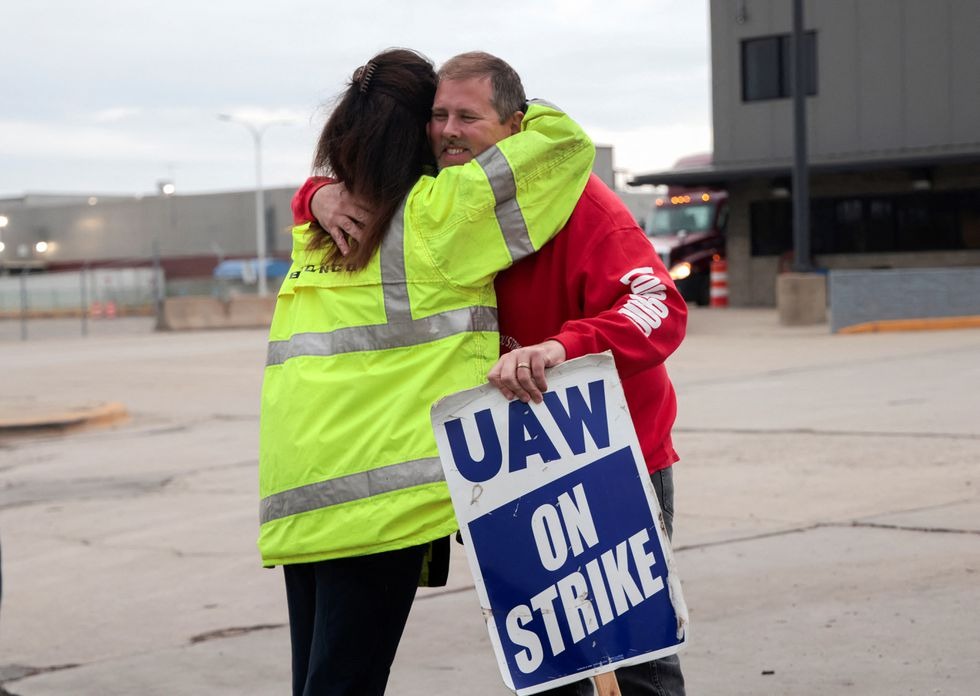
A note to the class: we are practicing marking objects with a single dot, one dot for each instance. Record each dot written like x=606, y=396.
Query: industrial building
x=190, y=234
x=187, y=234
x=893, y=115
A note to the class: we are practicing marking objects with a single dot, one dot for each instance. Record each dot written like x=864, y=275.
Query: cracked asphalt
x=827, y=525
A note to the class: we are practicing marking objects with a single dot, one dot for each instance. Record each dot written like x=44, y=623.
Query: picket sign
x=562, y=529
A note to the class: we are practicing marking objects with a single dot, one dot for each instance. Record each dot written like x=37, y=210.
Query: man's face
x=464, y=122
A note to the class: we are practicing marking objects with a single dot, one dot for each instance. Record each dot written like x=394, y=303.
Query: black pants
x=661, y=677
x=346, y=617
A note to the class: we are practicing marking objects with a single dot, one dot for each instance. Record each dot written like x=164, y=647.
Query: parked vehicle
x=687, y=229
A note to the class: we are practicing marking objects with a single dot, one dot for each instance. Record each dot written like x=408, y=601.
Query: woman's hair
x=375, y=142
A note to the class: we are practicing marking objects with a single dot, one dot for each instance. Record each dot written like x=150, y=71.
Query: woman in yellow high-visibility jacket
x=351, y=487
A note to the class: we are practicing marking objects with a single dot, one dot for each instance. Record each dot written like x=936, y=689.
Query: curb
x=933, y=324
x=75, y=313
x=102, y=414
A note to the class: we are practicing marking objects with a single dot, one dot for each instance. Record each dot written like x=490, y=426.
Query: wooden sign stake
x=606, y=684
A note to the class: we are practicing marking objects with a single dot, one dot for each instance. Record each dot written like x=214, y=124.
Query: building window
x=947, y=221
x=766, y=66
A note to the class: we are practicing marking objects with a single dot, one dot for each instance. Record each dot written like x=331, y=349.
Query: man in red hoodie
x=598, y=285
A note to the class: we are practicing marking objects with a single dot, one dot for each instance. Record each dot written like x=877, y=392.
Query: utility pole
x=802, y=260
x=169, y=190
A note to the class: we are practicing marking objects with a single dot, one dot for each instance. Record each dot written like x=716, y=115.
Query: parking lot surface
x=827, y=526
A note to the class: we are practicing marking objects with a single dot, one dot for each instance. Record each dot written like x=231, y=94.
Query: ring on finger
x=524, y=365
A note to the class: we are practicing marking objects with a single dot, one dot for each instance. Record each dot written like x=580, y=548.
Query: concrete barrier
x=903, y=299
x=251, y=310
x=801, y=298
x=204, y=312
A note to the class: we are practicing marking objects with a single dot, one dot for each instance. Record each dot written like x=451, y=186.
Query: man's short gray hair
x=508, y=92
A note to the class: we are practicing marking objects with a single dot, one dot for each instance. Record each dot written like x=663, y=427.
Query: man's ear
x=516, y=119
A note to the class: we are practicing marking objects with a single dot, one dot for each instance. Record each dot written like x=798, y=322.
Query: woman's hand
x=340, y=214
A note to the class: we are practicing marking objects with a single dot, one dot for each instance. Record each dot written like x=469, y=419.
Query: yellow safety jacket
x=347, y=459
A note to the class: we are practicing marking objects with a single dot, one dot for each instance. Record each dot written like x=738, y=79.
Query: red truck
x=687, y=229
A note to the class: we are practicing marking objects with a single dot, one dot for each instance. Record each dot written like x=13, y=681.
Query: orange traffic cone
x=110, y=310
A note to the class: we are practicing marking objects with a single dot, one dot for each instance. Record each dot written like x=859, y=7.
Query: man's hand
x=519, y=374
x=340, y=214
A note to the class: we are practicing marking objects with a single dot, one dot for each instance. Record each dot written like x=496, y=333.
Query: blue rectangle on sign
x=576, y=573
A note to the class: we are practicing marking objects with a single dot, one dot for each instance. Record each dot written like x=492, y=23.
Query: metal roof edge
x=719, y=175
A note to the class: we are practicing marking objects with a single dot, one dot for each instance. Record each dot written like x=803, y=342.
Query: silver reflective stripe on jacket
x=394, y=277
x=353, y=339
x=545, y=102
x=508, y=210
x=345, y=489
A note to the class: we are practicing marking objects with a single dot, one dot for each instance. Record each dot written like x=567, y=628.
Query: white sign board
x=562, y=528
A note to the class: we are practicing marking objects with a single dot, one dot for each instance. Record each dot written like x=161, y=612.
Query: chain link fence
x=84, y=294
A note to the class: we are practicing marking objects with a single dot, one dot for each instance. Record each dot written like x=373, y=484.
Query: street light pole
x=257, y=131
x=260, y=231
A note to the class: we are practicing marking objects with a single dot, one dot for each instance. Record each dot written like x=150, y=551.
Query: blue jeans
x=661, y=677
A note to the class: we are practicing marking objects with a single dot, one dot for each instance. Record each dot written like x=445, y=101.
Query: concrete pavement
x=827, y=529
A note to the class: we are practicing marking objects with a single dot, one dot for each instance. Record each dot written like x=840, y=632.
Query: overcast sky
x=116, y=95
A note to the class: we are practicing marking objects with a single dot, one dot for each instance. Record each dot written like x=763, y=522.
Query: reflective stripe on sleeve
x=323, y=494
x=545, y=102
x=509, y=215
x=352, y=339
